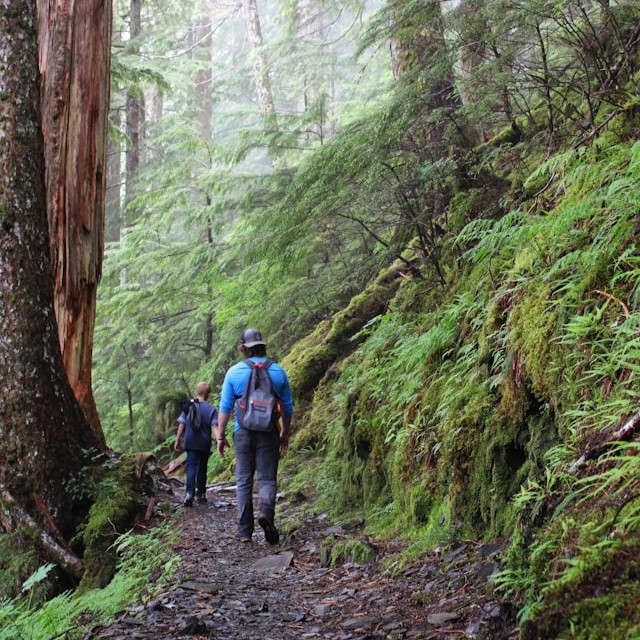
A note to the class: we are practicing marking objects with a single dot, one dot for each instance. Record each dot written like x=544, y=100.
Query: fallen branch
x=627, y=427
x=64, y=557
x=610, y=297
x=175, y=466
x=150, y=507
x=625, y=430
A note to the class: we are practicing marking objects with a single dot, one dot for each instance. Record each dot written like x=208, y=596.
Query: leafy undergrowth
x=146, y=563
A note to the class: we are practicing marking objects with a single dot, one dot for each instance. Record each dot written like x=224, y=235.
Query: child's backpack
x=191, y=410
x=258, y=406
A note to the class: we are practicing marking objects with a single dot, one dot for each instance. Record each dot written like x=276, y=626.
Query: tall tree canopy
x=373, y=139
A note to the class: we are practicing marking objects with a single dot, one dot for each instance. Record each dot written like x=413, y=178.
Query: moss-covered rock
x=336, y=551
x=121, y=499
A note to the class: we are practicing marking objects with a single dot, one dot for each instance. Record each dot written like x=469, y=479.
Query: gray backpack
x=258, y=406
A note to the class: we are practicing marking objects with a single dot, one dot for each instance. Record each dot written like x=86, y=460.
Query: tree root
x=13, y=515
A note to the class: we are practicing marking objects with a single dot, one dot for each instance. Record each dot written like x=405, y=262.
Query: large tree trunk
x=419, y=48
x=74, y=48
x=472, y=53
x=42, y=428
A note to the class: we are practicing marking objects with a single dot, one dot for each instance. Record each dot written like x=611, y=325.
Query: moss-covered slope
x=466, y=407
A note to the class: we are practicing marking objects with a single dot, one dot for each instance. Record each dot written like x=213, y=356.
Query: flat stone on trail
x=441, y=618
x=456, y=553
x=208, y=587
x=274, y=563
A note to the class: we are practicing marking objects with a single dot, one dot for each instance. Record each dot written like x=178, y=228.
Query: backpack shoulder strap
x=249, y=363
x=267, y=364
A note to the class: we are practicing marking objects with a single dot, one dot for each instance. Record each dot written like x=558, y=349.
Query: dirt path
x=230, y=590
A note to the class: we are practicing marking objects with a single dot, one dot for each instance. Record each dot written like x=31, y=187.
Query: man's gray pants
x=256, y=452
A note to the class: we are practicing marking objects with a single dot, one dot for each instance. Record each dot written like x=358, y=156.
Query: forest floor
x=226, y=589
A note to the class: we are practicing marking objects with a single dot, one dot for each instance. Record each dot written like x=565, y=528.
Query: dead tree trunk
x=74, y=54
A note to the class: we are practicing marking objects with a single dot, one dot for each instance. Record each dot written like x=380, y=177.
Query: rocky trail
x=232, y=590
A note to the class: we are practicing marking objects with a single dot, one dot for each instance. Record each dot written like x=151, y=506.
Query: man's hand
x=219, y=429
x=222, y=444
x=176, y=445
x=284, y=441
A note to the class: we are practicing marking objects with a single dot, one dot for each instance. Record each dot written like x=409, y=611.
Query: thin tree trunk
x=135, y=113
x=309, y=31
x=113, y=208
x=114, y=187
x=74, y=50
x=547, y=88
x=203, y=91
x=260, y=66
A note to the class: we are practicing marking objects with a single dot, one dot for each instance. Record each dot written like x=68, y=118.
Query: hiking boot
x=270, y=532
x=243, y=538
x=201, y=500
x=188, y=500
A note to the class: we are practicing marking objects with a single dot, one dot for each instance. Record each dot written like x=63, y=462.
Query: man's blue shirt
x=236, y=380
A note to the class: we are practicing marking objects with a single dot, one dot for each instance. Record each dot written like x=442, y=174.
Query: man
x=255, y=450
x=197, y=444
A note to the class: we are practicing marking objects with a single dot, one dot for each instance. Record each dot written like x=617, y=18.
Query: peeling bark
x=74, y=50
x=43, y=430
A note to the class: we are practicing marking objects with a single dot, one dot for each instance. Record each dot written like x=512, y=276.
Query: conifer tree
x=46, y=438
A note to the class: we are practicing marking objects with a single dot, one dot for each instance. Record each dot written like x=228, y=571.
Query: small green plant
x=146, y=564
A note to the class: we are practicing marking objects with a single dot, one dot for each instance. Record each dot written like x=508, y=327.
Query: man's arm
x=220, y=428
x=179, y=433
